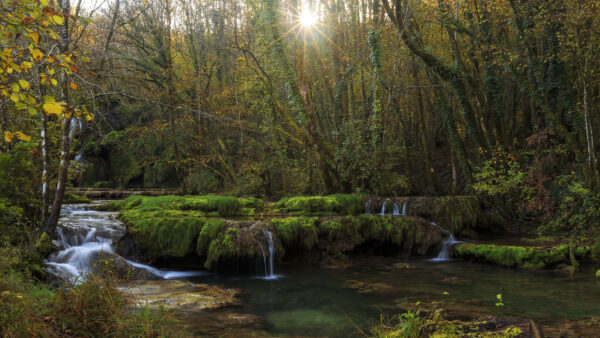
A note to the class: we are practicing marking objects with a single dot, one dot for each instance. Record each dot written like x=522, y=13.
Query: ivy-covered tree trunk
x=300, y=104
x=450, y=74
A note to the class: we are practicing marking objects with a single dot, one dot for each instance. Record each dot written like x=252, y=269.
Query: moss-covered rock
x=518, y=256
x=340, y=204
x=73, y=199
x=209, y=205
x=164, y=233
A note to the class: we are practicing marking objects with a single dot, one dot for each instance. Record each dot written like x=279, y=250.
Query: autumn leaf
x=59, y=20
x=24, y=84
x=34, y=36
x=37, y=55
x=8, y=136
x=73, y=86
x=53, y=108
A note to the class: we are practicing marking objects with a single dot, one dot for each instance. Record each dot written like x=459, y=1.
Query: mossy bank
x=168, y=227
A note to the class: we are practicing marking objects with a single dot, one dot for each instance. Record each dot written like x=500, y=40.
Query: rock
x=112, y=263
x=182, y=296
x=454, y=281
x=369, y=287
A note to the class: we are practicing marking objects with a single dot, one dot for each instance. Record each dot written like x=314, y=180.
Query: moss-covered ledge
x=535, y=257
x=166, y=234
x=463, y=215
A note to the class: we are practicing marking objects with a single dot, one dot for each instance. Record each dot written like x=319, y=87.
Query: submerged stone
x=182, y=296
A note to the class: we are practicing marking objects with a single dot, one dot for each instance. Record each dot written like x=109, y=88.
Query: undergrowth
x=94, y=308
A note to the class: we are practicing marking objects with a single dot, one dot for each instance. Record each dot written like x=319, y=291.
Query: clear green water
x=327, y=302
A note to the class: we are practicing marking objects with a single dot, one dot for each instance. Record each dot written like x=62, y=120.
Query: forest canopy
x=275, y=98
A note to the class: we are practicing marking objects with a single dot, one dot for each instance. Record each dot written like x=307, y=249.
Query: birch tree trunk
x=64, y=128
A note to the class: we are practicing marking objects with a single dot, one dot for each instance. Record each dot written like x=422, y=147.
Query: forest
x=391, y=168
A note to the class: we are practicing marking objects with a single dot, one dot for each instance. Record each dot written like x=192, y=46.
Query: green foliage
x=578, y=209
x=203, y=181
x=516, y=256
x=92, y=308
x=502, y=179
x=405, y=325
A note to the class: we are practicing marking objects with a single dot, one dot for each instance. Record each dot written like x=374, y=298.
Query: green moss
x=164, y=233
x=210, y=231
x=516, y=256
x=296, y=232
x=333, y=204
x=73, y=198
x=220, y=205
x=597, y=274
x=222, y=241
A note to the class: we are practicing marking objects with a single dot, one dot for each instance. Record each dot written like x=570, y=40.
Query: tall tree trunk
x=65, y=127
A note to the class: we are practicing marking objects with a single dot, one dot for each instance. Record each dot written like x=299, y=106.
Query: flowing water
x=83, y=235
x=340, y=302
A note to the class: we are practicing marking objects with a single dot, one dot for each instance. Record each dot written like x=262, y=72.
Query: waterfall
x=270, y=266
x=396, y=211
x=403, y=209
x=368, y=207
x=383, y=206
x=84, y=234
x=444, y=254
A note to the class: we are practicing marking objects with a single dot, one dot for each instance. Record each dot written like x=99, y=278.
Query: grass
x=413, y=324
x=94, y=308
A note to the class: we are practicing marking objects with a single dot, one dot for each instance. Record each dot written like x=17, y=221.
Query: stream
x=305, y=300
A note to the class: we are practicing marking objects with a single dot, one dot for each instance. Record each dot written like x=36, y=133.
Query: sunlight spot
x=307, y=18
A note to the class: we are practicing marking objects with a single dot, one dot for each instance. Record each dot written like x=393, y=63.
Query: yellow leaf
x=26, y=65
x=22, y=136
x=58, y=19
x=24, y=84
x=34, y=36
x=9, y=70
x=73, y=86
x=32, y=111
x=15, y=88
x=14, y=98
x=37, y=55
x=89, y=117
x=53, y=81
x=50, y=70
x=8, y=139
x=44, y=2
x=53, y=108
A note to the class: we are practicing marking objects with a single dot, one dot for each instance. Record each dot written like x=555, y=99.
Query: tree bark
x=64, y=128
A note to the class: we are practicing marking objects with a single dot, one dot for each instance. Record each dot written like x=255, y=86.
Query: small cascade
x=270, y=262
x=403, y=209
x=396, y=211
x=166, y=274
x=383, y=206
x=447, y=243
x=368, y=207
x=83, y=234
